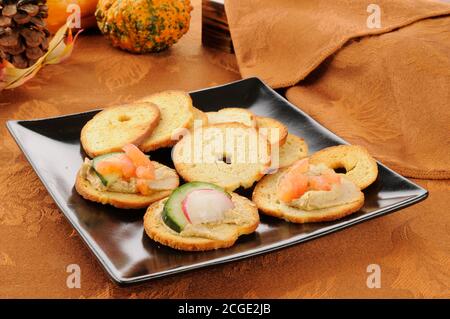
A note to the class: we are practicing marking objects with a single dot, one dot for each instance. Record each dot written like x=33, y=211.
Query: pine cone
x=23, y=34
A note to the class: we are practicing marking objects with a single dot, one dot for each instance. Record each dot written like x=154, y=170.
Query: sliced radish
x=206, y=206
x=173, y=215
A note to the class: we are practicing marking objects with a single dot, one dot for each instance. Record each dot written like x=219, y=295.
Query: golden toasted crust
x=177, y=113
x=158, y=231
x=265, y=198
x=200, y=116
x=361, y=167
x=213, y=170
x=109, y=130
x=232, y=115
x=119, y=200
x=270, y=123
x=293, y=150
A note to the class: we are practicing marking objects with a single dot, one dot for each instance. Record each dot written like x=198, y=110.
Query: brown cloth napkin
x=385, y=88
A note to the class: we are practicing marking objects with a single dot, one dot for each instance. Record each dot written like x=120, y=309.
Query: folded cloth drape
x=385, y=86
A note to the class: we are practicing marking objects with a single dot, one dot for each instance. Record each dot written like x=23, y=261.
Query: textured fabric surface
x=283, y=41
x=387, y=89
x=412, y=247
x=390, y=93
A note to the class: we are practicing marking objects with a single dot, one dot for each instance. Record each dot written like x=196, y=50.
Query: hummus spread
x=341, y=193
x=219, y=230
x=128, y=186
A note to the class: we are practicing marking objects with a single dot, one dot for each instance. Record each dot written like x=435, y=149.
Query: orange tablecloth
x=412, y=247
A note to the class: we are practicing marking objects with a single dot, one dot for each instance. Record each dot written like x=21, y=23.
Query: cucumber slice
x=102, y=179
x=106, y=179
x=173, y=215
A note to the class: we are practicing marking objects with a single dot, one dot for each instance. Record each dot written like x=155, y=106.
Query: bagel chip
x=157, y=230
x=265, y=198
x=111, y=129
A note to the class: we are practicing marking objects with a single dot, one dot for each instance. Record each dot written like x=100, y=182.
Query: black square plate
x=116, y=237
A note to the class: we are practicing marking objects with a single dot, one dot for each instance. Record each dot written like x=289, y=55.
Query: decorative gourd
x=141, y=26
x=59, y=11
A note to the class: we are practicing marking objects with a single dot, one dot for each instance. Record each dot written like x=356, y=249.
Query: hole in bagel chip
x=340, y=170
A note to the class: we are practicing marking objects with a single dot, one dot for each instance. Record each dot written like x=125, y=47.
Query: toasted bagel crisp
x=293, y=150
x=116, y=199
x=248, y=161
x=265, y=198
x=272, y=124
x=111, y=129
x=232, y=115
x=361, y=167
x=201, y=116
x=156, y=229
x=177, y=113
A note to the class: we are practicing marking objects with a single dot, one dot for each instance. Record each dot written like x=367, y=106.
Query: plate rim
x=12, y=126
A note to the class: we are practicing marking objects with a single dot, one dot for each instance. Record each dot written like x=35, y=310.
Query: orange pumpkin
x=58, y=13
